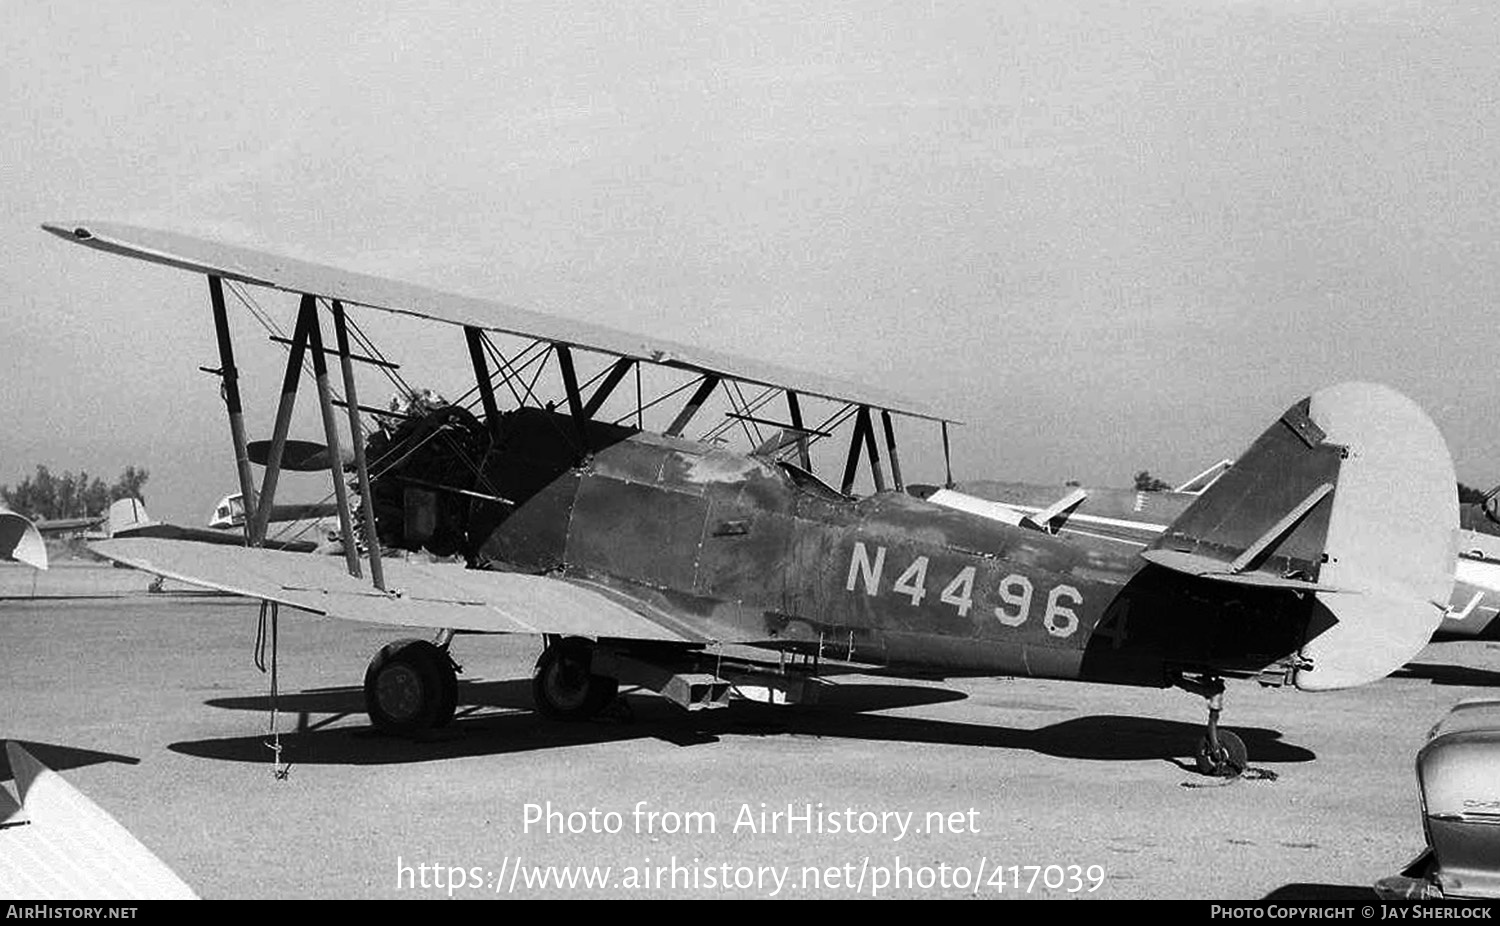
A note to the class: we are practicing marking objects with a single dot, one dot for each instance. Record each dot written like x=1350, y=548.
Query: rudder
x=1350, y=497
x=1391, y=538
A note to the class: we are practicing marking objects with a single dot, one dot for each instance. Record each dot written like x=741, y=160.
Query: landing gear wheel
x=410, y=688
x=565, y=688
x=1220, y=753
x=1228, y=761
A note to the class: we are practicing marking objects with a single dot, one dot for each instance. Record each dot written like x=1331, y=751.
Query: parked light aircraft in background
x=296, y=456
x=229, y=513
x=128, y=519
x=1323, y=559
x=23, y=540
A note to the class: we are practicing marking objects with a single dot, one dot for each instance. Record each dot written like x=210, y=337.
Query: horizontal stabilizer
x=1205, y=567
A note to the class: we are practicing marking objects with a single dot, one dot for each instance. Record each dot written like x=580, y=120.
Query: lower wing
x=438, y=596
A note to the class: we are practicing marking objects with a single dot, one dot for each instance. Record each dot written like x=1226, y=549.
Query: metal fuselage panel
x=747, y=551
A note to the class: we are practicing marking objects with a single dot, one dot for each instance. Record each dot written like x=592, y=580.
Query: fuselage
x=745, y=549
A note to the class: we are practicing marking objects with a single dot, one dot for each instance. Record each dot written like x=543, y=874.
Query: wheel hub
x=399, y=692
x=567, y=683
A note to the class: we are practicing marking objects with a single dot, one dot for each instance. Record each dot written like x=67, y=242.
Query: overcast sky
x=1109, y=236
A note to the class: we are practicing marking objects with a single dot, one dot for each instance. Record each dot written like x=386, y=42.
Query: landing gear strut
x=1221, y=754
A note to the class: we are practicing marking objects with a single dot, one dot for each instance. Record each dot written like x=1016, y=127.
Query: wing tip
x=71, y=231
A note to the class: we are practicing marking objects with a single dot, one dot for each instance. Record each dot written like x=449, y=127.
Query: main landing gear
x=564, y=686
x=411, y=686
x=1220, y=754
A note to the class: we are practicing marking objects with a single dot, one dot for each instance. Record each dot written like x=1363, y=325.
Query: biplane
x=642, y=556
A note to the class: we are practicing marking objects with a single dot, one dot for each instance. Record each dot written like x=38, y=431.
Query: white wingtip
x=21, y=541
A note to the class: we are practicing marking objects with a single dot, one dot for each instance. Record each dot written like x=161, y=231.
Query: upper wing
x=262, y=269
x=427, y=595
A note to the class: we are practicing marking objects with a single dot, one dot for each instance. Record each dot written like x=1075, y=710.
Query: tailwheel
x=564, y=685
x=1220, y=753
x=1226, y=760
x=411, y=687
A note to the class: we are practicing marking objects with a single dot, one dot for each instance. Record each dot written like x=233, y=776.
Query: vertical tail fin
x=1350, y=496
x=126, y=514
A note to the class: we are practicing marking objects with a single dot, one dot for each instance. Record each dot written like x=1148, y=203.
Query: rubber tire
x=421, y=688
x=564, y=688
x=1229, y=762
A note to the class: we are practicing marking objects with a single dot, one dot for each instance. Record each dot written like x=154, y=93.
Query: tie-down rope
x=269, y=614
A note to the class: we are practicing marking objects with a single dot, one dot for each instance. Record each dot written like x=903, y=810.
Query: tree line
x=48, y=496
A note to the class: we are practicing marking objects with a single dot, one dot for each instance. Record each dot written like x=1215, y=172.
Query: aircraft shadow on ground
x=61, y=758
x=1323, y=893
x=1440, y=674
x=496, y=717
